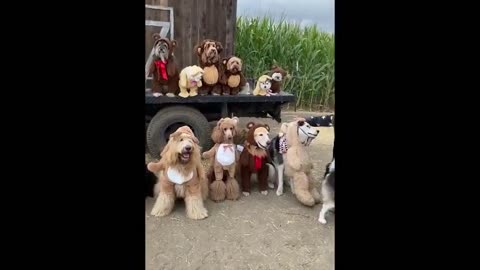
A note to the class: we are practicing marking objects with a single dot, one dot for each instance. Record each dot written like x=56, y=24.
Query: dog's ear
x=219, y=46
x=220, y=122
x=267, y=127
x=235, y=120
x=250, y=125
x=284, y=128
x=300, y=123
x=175, y=134
x=195, y=140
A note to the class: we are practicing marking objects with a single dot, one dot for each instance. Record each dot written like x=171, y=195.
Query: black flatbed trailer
x=163, y=115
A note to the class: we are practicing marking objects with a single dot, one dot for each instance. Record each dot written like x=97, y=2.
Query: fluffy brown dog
x=208, y=52
x=163, y=67
x=181, y=175
x=231, y=77
x=254, y=157
x=298, y=166
x=224, y=153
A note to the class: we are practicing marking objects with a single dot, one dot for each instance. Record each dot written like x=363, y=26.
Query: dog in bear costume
x=180, y=175
x=224, y=154
x=278, y=74
x=163, y=67
x=231, y=77
x=298, y=166
x=254, y=158
x=208, y=52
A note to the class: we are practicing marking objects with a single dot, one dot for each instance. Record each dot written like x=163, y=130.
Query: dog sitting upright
x=181, y=175
x=328, y=191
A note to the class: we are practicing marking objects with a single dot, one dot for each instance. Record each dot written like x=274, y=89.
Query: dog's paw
x=157, y=94
x=159, y=212
x=265, y=192
x=246, y=194
x=201, y=213
x=271, y=185
x=170, y=95
x=279, y=191
x=322, y=220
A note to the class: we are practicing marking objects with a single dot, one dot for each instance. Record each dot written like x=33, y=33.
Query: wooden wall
x=195, y=20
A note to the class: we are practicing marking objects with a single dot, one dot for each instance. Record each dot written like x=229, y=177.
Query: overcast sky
x=306, y=12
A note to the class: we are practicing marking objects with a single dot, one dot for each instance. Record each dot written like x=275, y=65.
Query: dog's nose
x=188, y=148
x=269, y=142
x=318, y=131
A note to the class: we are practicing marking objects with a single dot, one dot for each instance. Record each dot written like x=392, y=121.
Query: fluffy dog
x=208, y=52
x=225, y=156
x=263, y=85
x=181, y=175
x=254, y=158
x=328, y=192
x=231, y=77
x=298, y=166
x=190, y=78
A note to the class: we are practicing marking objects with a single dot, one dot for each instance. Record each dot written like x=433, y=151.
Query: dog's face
x=225, y=130
x=184, y=147
x=163, y=47
x=306, y=133
x=300, y=129
x=260, y=134
x=278, y=73
x=209, y=51
x=234, y=64
x=194, y=73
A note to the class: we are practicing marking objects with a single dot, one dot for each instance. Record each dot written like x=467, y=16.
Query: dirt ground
x=255, y=232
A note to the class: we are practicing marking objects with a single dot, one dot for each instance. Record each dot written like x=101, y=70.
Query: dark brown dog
x=278, y=74
x=231, y=77
x=208, y=52
x=163, y=67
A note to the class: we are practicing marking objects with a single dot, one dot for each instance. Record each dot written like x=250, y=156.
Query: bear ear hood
x=171, y=43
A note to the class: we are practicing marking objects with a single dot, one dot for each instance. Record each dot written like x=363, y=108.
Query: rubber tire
x=157, y=129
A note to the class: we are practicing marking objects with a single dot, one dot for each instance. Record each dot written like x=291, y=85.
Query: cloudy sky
x=305, y=12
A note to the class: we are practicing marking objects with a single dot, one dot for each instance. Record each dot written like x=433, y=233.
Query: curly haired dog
x=208, y=52
x=181, y=175
x=254, y=158
x=298, y=166
x=225, y=156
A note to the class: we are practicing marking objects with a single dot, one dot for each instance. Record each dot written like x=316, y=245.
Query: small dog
x=328, y=191
x=321, y=121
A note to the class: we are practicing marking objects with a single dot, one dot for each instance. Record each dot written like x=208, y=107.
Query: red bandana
x=258, y=162
x=161, y=69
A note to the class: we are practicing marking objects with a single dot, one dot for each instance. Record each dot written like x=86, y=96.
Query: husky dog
x=328, y=191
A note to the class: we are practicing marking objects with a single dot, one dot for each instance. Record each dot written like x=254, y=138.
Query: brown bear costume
x=254, y=157
x=231, y=77
x=278, y=74
x=163, y=67
x=208, y=52
x=224, y=154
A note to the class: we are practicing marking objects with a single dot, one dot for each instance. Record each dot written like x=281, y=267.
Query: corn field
x=306, y=53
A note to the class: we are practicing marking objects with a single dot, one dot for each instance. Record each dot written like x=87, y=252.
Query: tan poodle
x=298, y=166
x=225, y=156
x=181, y=175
